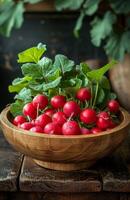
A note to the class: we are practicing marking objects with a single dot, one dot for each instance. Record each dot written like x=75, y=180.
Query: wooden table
x=21, y=178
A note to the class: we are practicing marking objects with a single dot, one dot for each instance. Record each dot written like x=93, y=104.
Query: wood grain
x=64, y=153
x=114, y=174
x=35, y=178
x=10, y=163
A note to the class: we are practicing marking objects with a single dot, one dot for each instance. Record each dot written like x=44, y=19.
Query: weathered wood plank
x=115, y=174
x=64, y=196
x=10, y=163
x=35, y=178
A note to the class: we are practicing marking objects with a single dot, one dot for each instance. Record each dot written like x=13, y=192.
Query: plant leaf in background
x=97, y=74
x=120, y=6
x=68, y=4
x=90, y=7
x=117, y=45
x=32, y=1
x=79, y=24
x=11, y=16
x=101, y=28
x=32, y=54
x=63, y=63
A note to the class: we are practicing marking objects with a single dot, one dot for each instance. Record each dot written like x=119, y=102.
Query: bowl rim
x=4, y=120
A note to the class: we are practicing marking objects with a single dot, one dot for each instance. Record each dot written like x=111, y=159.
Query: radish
x=104, y=115
x=30, y=111
x=49, y=112
x=40, y=101
x=37, y=129
x=88, y=116
x=59, y=118
x=96, y=130
x=19, y=120
x=71, y=128
x=58, y=101
x=113, y=106
x=85, y=131
x=71, y=108
x=26, y=125
x=83, y=94
x=52, y=129
x=42, y=120
x=103, y=123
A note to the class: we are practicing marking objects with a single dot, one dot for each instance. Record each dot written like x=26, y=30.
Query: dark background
x=56, y=31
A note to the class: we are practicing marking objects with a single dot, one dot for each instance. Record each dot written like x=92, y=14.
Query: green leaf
x=32, y=54
x=24, y=95
x=11, y=17
x=68, y=4
x=16, y=108
x=63, y=63
x=100, y=97
x=104, y=83
x=46, y=86
x=33, y=70
x=120, y=6
x=53, y=75
x=97, y=74
x=117, y=45
x=40, y=70
x=91, y=6
x=101, y=28
x=79, y=24
x=84, y=68
x=46, y=66
x=19, y=83
x=32, y=1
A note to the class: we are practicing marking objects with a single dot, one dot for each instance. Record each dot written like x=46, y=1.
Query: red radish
x=112, y=124
x=85, y=131
x=88, y=116
x=26, y=125
x=83, y=94
x=29, y=110
x=104, y=115
x=19, y=120
x=58, y=101
x=42, y=120
x=40, y=101
x=53, y=129
x=37, y=129
x=96, y=130
x=59, y=118
x=71, y=108
x=113, y=106
x=102, y=123
x=71, y=128
x=49, y=112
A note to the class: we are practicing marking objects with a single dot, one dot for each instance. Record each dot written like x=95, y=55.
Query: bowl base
x=64, y=166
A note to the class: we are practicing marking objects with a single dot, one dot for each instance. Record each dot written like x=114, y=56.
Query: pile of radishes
x=60, y=116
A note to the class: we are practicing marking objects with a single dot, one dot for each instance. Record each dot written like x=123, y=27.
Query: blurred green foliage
x=110, y=21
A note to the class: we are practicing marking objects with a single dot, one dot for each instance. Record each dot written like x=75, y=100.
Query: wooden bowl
x=63, y=152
